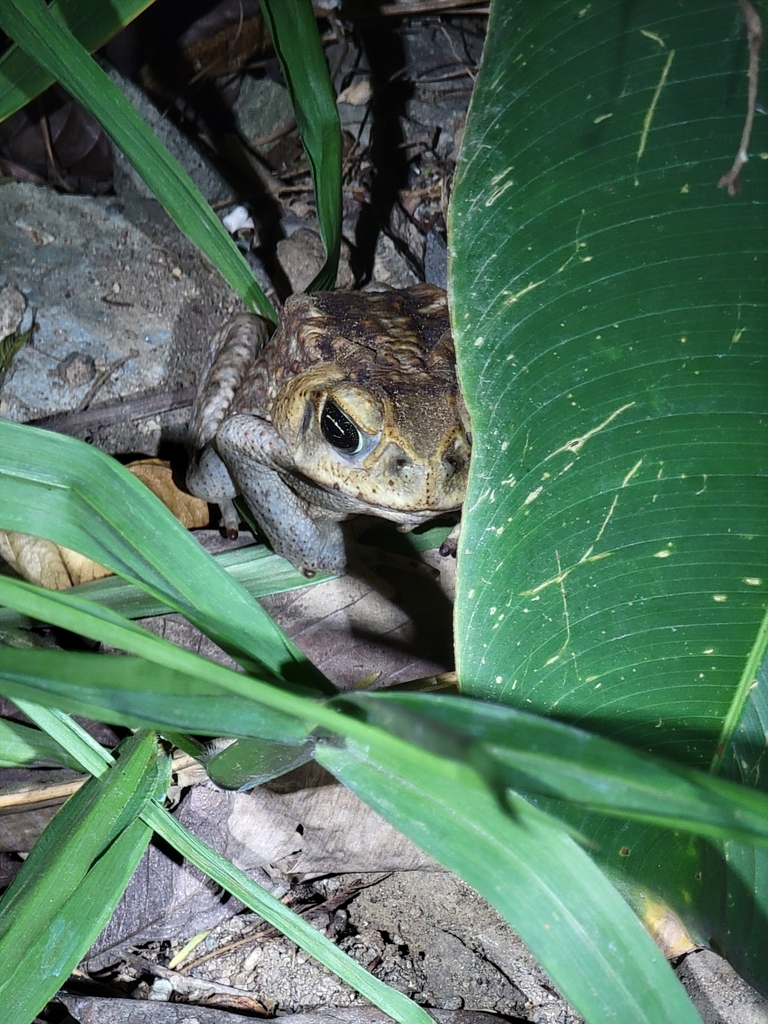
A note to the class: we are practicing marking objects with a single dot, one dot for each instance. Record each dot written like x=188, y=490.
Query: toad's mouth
x=389, y=482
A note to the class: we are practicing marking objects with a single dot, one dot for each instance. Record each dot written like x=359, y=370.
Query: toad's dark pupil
x=339, y=431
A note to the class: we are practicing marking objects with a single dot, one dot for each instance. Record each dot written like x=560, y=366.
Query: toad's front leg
x=208, y=478
x=255, y=455
x=233, y=351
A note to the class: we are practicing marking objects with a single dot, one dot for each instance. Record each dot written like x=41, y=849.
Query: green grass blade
x=90, y=21
x=525, y=866
x=258, y=571
x=136, y=693
x=50, y=936
x=77, y=836
x=89, y=754
x=543, y=758
x=53, y=953
x=294, y=33
x=538, y=756
x=728, y=755
x=20, y=745
x=247, y=763
x=565, y=910
x=56, y=487
x=33, y=26
x=289, y=710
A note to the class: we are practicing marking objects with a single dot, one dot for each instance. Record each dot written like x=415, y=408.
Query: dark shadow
x=383, y=45
x=421, y=598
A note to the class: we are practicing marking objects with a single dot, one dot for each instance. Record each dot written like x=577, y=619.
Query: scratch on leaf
x=654, y=37
x=578, y=245
x=577, y=443
x=499, y=192
x=652, y=110
x=566, y=615
x=588, y=556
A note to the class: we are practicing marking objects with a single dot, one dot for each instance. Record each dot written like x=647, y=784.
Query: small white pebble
x=238, y=220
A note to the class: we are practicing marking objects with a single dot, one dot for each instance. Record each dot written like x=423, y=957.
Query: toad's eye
x=339, y=430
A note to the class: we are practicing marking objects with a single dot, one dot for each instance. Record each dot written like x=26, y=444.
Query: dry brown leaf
x=667, y=930
x=357, y=94
x=317, y=829
x=166, y=898
x=82, y=569
x=58, y=568
x=156, y=474
x=55, y=141
x=350, y=629
x=45, y=563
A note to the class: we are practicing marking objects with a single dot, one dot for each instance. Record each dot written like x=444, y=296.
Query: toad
x=352, y=406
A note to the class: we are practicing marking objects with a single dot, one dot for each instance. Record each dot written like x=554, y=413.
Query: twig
x=48, y=142
x=262, y=933
x=102, y=378
x=197, y=989
x=119, y=412
x=456, y=56
x=731, y=181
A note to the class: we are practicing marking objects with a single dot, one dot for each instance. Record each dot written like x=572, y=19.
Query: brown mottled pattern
x=381, y=364
x=385, y=337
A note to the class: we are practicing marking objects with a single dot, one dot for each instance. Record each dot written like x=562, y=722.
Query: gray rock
x=262, y=107
x=211, y=184
x=120, y=299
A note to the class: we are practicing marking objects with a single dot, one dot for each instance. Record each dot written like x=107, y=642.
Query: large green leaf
x=610, y=305
x=610, y=308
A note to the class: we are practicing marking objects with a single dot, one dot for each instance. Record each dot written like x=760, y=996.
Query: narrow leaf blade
x=92, y=24
x=293, y=29
x=56, y=487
